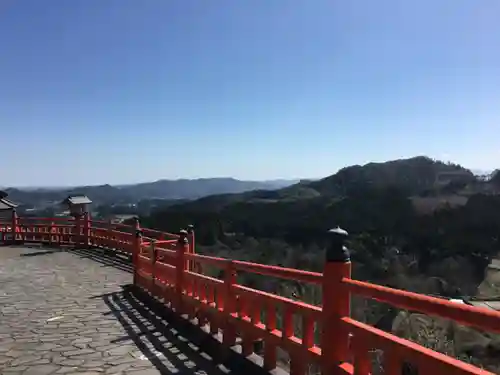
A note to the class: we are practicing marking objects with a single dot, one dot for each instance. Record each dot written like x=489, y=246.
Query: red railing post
x=136, y=247
x=336, y=304
x=191, y=239
x=14, y=226
x=152, y=258
x=229, y=333
x=51, y=231
x=110, y=239
x=78, y=229
x=86, y=230
x=180, y=268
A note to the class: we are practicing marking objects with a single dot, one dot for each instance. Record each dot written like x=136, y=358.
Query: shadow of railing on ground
x=107, y=258
x=43, y=252
x=170, y=343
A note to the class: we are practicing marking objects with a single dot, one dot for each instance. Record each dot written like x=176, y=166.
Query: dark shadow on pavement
x=171, y=343
x=107, y=258
x=34, y=254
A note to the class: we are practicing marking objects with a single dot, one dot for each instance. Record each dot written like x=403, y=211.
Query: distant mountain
x=161, y=189
x=192, y=189
x=417, y=224
x=414, y=176
x=380, y=197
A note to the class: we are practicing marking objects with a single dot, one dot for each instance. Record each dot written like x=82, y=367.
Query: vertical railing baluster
x=86, y=229
x=244, y=313
x=137, y=245
x=229, y=337
x=182, y=248
x=14, y=226
x=269, y=347
x=51, y=231
x=307, y=331
x=212, y=300
x=362, y=363
x=152, y=257
x=336, y=304
x=191, y=239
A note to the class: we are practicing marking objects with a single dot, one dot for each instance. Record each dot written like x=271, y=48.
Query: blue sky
x=114, y=91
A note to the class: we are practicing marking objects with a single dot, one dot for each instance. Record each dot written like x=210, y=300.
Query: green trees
x=374, y=203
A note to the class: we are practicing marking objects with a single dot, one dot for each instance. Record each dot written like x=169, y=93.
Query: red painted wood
x=167, y=271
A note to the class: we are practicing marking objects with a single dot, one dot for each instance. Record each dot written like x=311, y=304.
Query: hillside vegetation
x=416, y=224
x=162, y=189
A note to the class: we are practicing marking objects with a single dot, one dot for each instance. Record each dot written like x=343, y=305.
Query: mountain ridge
x=160, y=189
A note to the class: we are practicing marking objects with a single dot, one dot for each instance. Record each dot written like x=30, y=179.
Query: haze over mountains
x=414, y=174
x=161, y=189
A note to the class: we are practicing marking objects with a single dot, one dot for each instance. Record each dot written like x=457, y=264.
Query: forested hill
x=417, y=177
x=162, y=189
x=415, y=224
x=419, y=208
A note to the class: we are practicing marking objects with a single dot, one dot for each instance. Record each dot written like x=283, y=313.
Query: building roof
x=6, y=204
x=77, y=199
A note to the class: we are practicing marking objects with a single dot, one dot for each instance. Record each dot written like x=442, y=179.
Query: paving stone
x=124, y=349
x=25, y=359
x=78, y=352
x=4, y=360
x=57, y=319
x=66, y=370
x=15, y=369
x=63, y=349
x=144, y=372
x=120, y=368
x=41, y=370
x=72, y=362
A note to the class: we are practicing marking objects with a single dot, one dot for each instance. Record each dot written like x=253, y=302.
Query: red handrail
x=167, y=267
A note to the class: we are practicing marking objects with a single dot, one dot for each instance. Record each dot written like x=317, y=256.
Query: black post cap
x=183, y=236
x=190, y=228
x=336, y=251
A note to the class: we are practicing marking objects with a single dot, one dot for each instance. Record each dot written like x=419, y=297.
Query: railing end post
x=191, y=239
x=183, y=236
x=181, y=267
x=14, y=226
x=136, y=248
x=336, y=302
x=337, y=251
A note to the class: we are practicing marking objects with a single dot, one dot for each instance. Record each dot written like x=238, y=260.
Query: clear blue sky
x=114, y=91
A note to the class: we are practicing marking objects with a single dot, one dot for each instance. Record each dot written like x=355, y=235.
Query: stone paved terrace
x=68, y=312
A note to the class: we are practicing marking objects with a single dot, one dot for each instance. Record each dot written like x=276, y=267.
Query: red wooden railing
x=167, y=267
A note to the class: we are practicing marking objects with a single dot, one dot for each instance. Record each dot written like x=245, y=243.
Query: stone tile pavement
x=63, y=313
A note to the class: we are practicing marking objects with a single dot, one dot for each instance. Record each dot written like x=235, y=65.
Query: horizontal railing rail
x=167, y=266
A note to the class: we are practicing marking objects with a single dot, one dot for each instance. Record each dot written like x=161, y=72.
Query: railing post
x=136, y=247
x=336, y=304
x=51, y=231
x=229, y=333
x=14, y=226
x=180, y=268
x=191, y=239
x=86, y=230
x=110, y=240
x=152, y=258
x=78, y=229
